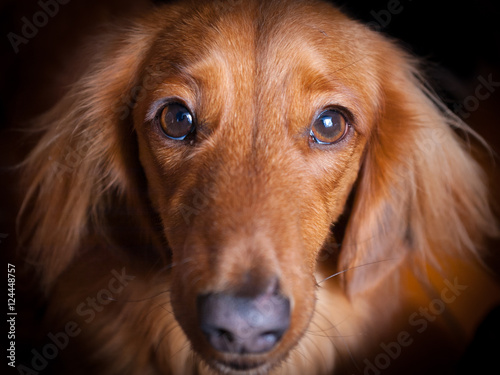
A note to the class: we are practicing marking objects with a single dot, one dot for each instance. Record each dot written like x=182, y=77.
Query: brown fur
x=250, y=197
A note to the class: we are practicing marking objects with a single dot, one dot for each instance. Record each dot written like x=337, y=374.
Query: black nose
x=243, y=324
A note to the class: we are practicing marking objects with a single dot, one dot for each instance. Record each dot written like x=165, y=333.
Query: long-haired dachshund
x=253, y=187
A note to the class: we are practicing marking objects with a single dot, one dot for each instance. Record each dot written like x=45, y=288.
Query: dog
x=253, y=187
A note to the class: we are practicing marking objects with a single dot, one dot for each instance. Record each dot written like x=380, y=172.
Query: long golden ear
x=420, y=194
x=80, y=164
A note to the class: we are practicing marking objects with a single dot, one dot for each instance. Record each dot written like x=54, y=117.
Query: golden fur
x=250, y=197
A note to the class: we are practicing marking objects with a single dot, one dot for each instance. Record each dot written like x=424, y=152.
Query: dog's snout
x=237, y=324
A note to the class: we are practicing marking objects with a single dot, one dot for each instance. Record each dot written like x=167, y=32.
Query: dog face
x=250, y=123
x=251, y=142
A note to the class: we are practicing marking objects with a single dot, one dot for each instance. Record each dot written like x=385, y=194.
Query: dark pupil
x=177, y=122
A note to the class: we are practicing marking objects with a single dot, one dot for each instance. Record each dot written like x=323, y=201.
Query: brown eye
x=176, y=121
x=330, y=127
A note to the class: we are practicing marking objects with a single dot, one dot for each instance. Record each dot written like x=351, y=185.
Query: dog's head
x=253, y=121
x=251, y=141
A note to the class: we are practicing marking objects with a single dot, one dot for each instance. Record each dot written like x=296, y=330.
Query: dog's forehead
x=274, y=34
x=248, y=48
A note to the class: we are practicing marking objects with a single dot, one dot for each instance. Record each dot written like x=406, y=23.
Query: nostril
x=224, y=335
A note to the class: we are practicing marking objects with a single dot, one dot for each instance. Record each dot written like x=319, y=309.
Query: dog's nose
x=237, y=324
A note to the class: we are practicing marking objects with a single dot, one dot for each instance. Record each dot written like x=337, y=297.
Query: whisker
x=162, y=307
x=344, y=342
x=352, y=268
x=174, y=264
x=163, y=337
x=139, y=300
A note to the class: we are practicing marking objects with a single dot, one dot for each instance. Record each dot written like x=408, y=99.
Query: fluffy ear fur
x=420, y=194
x=79, y=165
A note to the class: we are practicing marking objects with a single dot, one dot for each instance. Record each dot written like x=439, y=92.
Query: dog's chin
x=241, y=365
